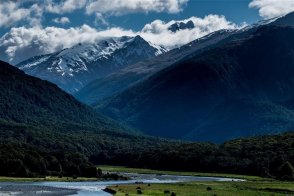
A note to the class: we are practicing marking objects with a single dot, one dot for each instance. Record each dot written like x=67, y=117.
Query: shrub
x=166, y=191
x=286, y=172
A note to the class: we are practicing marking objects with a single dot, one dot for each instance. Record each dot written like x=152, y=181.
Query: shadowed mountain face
x=118, y=81
x=287, y=20
x=240, y=88
x=31, y=101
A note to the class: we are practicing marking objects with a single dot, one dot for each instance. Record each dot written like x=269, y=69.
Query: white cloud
x=157, y=31
x=272, y=8
x=114, y=7
x=121, y=7
x=21, y=43
x=31, y=11
x=62, y=20
x=65, y=6
x=100, y=19
x=11, y=13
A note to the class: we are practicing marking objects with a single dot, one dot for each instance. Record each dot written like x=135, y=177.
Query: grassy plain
x=248, y=188
x=159, y=172
x=252, y=186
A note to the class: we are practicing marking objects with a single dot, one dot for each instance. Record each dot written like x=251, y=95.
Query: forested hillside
x=47, y=139
x=41, y=124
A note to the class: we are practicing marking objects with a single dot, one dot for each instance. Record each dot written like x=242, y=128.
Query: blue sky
x=237, y=11
x=34, y=27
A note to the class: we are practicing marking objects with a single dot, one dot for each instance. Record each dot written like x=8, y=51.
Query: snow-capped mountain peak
x=72, y=68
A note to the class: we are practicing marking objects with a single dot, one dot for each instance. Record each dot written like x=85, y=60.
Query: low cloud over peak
x=159, y=32
x=23, y=42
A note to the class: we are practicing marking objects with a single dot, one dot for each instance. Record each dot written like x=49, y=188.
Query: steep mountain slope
x=74, y=67
x=120, y=80
x=45, y=131
x=32, y=101
x=235, y=89
x=287, y=20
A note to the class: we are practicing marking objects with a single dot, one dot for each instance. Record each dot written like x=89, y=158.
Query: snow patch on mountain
x=72, y=68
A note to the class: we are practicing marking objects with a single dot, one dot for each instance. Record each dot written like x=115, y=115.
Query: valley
x=155, y=182
x=93, y=104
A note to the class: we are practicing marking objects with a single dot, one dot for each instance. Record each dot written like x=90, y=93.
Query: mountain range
x=228, y=84
x=72, y=68
x=118, y=81
x=240, y=86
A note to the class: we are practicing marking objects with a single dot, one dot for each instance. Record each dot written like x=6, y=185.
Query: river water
x=93, y=188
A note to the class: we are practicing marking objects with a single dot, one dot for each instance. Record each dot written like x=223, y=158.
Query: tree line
x=31, y=152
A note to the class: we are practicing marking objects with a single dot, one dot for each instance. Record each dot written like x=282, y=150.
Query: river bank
x=95, y=187
x=150, y=182
x=122, y=169
x=238, y=185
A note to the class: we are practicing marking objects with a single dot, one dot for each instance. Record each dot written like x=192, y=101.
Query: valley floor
x=122, y=169
x=252, y=186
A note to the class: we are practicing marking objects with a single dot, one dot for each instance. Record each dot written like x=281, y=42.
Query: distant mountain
x=74, y=67
x=122, y=79
x=181, y=26
x=239, y=87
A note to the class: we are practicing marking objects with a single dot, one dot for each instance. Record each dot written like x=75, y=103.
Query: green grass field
x=252, y=186
x=208, y=188
x=150, y=171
